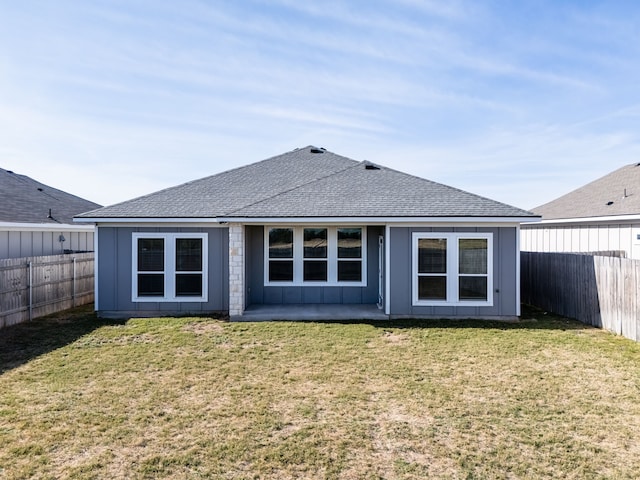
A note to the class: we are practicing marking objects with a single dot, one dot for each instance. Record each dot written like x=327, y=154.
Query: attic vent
x=370, y=166
x=316, y=150
x=39, y=189
x=609, y=202
x=9, y=171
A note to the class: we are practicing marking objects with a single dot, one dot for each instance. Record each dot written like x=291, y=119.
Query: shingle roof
x=24, y=200
x=301, y=183
x=601, y=198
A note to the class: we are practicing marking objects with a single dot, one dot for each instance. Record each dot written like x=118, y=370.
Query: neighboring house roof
x=24, y=200
x=617, y=193
x=309, y=182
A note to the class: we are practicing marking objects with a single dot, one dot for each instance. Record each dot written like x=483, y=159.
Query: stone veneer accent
x=236, y=269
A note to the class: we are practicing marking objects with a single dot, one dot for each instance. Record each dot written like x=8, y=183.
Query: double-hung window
x=169, y=267
x=453, y=269
x=315, y=256
x=280, y=255
x=314, y=253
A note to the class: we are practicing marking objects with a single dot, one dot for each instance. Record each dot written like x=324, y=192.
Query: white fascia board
x=135, y=221
x=396, y=221
x=223, y=221
x=586, y=220
x=145, y=220
x=56, y=227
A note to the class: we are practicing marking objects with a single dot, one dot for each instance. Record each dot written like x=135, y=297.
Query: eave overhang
x=56, y=227
x=587, y=220
x=309, y=220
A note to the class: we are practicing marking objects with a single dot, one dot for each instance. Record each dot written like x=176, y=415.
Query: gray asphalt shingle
x=24, y=200
x=601, y=198
x=305, y=184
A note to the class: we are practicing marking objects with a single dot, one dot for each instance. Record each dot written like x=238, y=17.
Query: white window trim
x=169, y=267
x=332, y=257
x=452, y=269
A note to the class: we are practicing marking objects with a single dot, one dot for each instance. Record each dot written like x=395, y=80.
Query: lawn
x=546, y=397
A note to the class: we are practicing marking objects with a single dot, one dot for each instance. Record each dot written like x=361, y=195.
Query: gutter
x=308, y=220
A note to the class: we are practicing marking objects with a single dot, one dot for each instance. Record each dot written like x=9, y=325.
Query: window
x=315, y=256
x=349, y=254
x=280, y=255
x=150, y=267
x=169, y=267
x=452, y=269
x=314, y=252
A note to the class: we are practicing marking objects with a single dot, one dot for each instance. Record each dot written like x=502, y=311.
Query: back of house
x=312, y=229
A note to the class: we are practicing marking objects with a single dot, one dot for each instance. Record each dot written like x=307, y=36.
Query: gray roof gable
x=601, y=198
x=309, y=182
x=24, y=200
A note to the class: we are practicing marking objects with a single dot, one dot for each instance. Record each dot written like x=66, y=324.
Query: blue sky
x=517, y=101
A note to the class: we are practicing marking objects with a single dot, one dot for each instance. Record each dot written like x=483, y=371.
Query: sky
x=520, y=101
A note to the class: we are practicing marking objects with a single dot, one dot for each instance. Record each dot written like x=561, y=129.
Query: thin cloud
x=482, y=96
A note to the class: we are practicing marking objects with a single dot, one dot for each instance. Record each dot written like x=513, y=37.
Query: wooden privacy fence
x=603, y=291
x=31, y=287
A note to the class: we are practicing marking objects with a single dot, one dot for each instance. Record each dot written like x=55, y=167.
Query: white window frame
x=332, y=257
x=453, y=274
x=169, y=267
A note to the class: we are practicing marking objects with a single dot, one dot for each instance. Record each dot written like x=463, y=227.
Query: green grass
x=202, y=398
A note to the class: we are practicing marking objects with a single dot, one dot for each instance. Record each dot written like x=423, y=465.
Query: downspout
x=518, y=270
x=387, y=269
x=30, y=291
x=95, y=269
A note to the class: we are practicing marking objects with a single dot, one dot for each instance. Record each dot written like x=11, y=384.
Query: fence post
x=30, y=291
x=73, y=294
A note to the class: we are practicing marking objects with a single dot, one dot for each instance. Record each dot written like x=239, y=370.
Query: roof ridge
x=297, y=186
x=448, y=186
x=586, y=185
x=197, y=180
x=43, y=188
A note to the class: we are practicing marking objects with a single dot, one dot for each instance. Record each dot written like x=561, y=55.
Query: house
x=602, y=216
x=309, y=232
x=36, y=219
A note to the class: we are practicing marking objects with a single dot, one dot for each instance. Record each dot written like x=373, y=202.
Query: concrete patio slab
x=311, y=312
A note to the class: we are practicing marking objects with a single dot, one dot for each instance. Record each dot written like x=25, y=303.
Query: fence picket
x=597, y=290
x=52, y=285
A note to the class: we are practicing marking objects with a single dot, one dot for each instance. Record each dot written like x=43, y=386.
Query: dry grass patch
x=195, y=397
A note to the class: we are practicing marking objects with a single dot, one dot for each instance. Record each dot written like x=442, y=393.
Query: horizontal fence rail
x=31, y=287
x=602, y=291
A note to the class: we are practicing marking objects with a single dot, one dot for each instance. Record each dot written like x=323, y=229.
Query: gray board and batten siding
x=505, y=275
x=115, y=274
x=259, y=294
